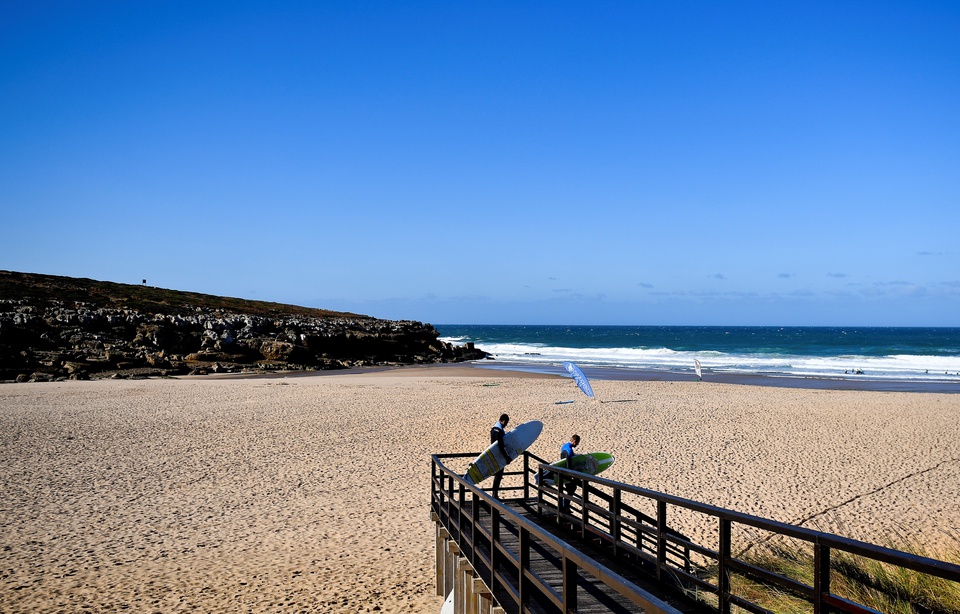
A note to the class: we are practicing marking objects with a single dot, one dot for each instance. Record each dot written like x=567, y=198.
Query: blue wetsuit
x=570, y=486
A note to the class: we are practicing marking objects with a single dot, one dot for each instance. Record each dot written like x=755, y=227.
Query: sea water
x=894, y=354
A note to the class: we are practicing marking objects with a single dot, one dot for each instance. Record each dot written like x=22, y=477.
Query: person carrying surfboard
x=566, y=452
x=496, y=436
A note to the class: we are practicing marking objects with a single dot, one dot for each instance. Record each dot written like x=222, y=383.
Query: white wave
x=455, y=340
x=662, y=359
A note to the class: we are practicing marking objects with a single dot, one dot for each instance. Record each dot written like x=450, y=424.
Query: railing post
x=449, y=496
x=540, y=476
x=661, y=538
x=461, y=501
x=475, y=512
x=615, y=520
x=584, y=512
x=433, y=483
x=526, y=476
x=821, y=577
x=569, y=586
x=641, y=536
x=494, y=540
x=723, y=578
x=524, y=565
x=559, y=484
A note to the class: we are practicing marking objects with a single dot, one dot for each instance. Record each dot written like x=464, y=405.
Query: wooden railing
x=628, y=531
x=501, y=550
x=606, y=523
x=608, y=514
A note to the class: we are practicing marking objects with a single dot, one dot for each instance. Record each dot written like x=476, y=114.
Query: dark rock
x=73, y=368
x=56, y=327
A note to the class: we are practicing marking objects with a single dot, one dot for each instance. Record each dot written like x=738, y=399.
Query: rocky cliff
x=61, y=327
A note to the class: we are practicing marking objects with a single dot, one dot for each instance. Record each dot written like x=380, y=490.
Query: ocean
x=854, y=357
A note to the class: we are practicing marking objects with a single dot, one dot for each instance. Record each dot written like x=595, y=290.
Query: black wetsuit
x=496, y=435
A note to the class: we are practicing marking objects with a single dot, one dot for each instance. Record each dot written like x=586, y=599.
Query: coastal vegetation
x=868, y=582
x=35, y=287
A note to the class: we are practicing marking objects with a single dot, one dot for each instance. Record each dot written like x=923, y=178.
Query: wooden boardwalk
x=593, y=594
x=606, y=555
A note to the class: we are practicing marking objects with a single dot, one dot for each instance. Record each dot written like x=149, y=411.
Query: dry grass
x=879, y=586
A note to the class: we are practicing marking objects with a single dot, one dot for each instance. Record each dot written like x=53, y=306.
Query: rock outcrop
x=118, y=330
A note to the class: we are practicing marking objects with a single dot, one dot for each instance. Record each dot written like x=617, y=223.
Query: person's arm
x=503, y=449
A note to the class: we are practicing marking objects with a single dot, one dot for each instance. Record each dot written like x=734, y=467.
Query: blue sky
x=498, y=162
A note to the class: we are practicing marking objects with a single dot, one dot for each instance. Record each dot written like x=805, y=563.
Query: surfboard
x=447, y=607
x=491, y=460
x=591, y=463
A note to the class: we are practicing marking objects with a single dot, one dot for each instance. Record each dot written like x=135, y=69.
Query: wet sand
x=311, y=493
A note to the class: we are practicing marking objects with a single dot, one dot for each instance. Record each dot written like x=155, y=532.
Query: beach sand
x=311, y=493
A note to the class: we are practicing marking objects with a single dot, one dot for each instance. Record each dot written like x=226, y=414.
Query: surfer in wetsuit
x=496, y=436
x=569, y=485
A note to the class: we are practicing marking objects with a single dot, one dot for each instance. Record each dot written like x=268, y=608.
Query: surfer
x=570, y=486
x=496, y=436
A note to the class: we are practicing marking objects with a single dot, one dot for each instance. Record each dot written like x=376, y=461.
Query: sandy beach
x=311, y=493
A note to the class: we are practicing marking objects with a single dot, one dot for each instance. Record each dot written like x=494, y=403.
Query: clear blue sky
x=494, y=162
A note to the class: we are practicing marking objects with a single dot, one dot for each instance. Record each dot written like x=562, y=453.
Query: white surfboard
x=447, y=607
x=491, y=460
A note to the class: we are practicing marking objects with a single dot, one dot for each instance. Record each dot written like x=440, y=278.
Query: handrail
x=941, y=569
x=601, y=514
x=819, y=595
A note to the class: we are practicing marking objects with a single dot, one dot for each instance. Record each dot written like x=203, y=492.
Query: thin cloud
x=718, y=276
x=837, y=275
x=894, y=288
x=786, y=275
x=645, y=285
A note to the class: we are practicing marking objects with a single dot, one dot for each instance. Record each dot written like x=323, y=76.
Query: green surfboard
x=590, y=463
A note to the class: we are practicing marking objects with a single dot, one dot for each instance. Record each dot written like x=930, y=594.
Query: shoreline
x=862, y=383
x=856, y=382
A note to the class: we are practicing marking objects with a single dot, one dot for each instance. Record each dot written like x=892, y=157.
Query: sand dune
x=312, y=493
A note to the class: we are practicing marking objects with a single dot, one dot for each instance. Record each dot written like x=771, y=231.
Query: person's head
x=575, y=440
x=504, y=419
